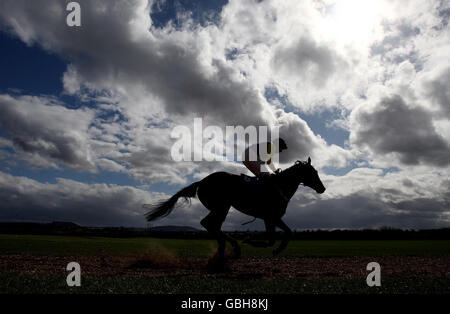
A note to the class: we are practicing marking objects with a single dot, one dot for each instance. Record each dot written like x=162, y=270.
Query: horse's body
x=268, y=201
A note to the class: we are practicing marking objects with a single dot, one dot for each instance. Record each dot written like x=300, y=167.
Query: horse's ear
x=309, y=160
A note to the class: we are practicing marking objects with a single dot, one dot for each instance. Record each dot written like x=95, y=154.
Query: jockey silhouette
x=257, y=157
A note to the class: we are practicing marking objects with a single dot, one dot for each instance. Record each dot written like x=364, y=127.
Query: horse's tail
x=164, y=208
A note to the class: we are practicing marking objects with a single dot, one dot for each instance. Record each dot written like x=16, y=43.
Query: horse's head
x=309, y=176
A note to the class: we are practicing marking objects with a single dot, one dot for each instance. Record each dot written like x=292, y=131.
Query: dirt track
x=267, y=268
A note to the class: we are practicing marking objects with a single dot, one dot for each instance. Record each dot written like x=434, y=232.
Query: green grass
x=23, y=284
x=63, y=245
x=321, y=248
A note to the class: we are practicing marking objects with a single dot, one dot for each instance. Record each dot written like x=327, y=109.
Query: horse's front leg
x=270, y=231
x=287, y=236
x=270, y=236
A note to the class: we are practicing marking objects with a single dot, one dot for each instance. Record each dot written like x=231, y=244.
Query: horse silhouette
x=267, y=200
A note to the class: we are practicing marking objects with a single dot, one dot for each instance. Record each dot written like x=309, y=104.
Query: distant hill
x=64, y=225
x=173, y=229
x=39, y=226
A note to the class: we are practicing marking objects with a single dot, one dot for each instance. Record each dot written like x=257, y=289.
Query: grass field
x=61, y=245
x=36, y=264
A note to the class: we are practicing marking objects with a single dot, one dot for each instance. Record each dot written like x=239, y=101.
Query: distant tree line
x=181, y=232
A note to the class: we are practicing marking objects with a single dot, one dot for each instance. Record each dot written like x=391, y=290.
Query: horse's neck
x=289, y=185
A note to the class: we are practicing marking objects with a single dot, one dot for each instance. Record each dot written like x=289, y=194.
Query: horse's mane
x=296, y=165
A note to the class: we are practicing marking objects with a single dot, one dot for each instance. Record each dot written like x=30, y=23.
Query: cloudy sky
x=362, y=87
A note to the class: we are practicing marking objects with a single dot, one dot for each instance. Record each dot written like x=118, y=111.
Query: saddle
x=255, y=180
x=249, y=179
x=260, y=181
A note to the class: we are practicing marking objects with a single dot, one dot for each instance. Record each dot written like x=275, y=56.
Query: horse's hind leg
x=213, y=222
x=234, y=244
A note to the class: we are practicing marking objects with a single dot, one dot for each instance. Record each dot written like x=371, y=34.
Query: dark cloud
x=308, y=59
x=368, y=210
x=394, y=127
x=46, y=129
x=398, y=36
x=438, y=90
x=444, y=14
x=87, y=204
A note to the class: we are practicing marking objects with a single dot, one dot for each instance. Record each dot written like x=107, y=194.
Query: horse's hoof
x=275, y=252
x=237, y=252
